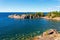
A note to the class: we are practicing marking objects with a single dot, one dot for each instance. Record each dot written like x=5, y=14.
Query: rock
x=51, y=34
x=15, y=16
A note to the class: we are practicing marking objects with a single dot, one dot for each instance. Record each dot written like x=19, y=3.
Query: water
x=22, y=29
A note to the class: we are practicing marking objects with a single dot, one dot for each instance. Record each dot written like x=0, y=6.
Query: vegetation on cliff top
x=54, y=14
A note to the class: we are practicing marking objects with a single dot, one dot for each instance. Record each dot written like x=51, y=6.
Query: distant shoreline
x=24, y=16
x=27, y=16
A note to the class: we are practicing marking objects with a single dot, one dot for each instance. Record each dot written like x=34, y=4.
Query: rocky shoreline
x=36, y=15
x=51, y=34
x=49, y=18
x=15, y=16
x=25, y=16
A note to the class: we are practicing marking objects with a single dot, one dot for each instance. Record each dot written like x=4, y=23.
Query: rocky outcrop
x=51, y=34
x=17, y=16
x=23, y=16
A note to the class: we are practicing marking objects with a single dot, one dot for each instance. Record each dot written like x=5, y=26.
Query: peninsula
x=27, y=16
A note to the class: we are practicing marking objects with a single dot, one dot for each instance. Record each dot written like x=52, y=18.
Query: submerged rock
x=51, y=34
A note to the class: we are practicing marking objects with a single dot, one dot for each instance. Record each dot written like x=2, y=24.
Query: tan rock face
x=17, y=16
x=51, y=34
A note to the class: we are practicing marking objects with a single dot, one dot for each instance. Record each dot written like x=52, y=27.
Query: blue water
x=10, y=27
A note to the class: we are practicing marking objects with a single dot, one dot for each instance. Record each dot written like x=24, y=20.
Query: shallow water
x=11, y=29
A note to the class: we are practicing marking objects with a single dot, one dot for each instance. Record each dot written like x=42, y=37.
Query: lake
x=20, y=29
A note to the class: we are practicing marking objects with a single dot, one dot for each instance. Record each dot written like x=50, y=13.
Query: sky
x=29, y=5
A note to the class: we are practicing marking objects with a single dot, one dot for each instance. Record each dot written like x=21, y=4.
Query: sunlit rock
x=51, y=34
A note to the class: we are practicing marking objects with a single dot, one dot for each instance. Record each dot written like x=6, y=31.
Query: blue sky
x=29, y=5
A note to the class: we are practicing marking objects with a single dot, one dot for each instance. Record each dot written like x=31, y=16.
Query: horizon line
x=30, y=11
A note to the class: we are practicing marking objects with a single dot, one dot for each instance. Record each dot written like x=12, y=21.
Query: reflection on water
x=13, y=29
